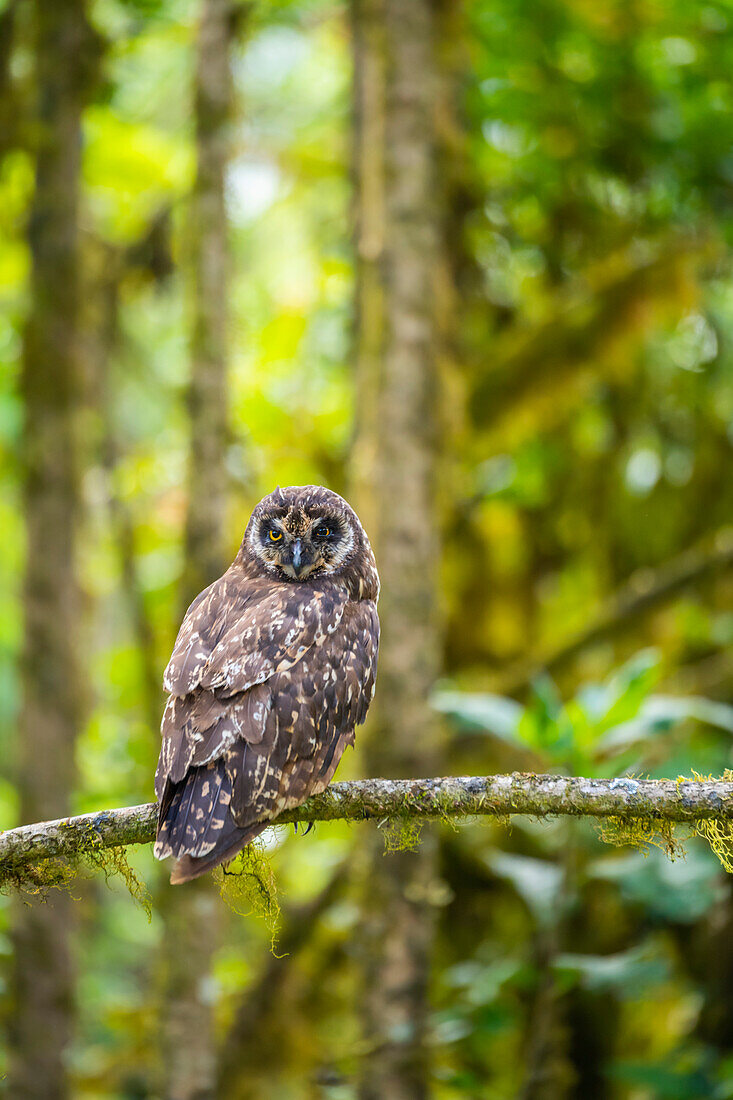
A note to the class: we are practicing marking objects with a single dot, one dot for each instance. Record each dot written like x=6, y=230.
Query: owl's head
x=306, y=531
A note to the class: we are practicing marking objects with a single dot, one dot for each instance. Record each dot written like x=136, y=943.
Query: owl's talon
x=310, y=826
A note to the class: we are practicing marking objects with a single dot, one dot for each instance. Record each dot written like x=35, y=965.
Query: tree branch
x=378, y=799
x=538, y=360
x=646, y=590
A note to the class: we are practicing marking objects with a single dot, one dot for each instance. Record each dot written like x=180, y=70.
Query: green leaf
x=627, y=973
x=537, y=881
x=475, y=712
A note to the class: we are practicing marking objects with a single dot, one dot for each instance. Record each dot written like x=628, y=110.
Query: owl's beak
x=297, y=558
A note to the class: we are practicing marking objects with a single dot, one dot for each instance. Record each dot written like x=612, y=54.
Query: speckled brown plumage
x=273, y=668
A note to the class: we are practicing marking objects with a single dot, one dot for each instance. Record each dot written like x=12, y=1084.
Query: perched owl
x=273, y=668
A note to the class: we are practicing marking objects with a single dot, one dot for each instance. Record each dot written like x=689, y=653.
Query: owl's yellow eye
x=275, y=536
x=322, y=532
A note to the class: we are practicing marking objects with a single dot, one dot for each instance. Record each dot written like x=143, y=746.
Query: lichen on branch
x=666, y=800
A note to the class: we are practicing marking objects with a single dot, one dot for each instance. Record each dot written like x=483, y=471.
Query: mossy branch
x=645, y=591
x=538, y=362
x=385, y=799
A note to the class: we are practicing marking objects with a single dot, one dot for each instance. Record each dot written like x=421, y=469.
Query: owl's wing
x=313, y=711
x=235, y=635
x=283, y=738
x=212, y=612
x=233, y=638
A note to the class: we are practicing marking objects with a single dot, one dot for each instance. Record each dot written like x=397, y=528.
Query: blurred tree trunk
x=43, y=976
x=369, y=59
x=9, y=122
x=105, y=267
x=205, y=525
x=397, y=249
x=191, y=911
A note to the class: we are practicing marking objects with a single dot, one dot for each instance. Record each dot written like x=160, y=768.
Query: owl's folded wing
x=314, y=710
x=289, y=751
x=235, y=635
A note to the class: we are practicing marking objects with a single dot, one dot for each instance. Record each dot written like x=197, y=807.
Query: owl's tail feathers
x=195, y=825
x=190, y=867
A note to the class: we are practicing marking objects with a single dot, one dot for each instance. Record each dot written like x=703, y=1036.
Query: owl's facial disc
x=300, y=545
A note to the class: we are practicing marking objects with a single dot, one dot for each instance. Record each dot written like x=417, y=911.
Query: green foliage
x=628, y=973
x=606, y=728
x=599, y=730
x=587, y=363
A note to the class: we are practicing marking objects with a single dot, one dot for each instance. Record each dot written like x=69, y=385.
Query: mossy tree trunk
x=368, y=120
x=51, y=710
x=191, y=912
x=205, y=523
x=397, y=247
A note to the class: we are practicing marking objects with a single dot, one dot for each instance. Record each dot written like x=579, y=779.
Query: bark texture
x=191, y=914
x=397, y=244
x=205, y=550
x=368, y=168
x=190, y=930
x=51, y=706
x=403, y=800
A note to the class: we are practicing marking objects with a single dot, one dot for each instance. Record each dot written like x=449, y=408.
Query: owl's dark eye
x=322, y=531
x=274, y=535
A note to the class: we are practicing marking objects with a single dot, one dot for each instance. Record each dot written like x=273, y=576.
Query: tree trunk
x=369, y=60
x=51, y=706
x=191, y=912
x=205, y=525
x=395, y=89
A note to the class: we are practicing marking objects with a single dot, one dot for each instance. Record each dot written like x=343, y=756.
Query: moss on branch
x=694, y=801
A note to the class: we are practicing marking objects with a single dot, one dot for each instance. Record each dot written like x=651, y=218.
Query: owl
x=273, y=669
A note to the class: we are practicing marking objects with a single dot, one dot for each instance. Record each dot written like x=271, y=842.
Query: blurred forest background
x=469, y=265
